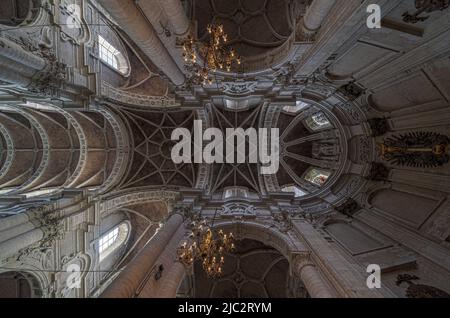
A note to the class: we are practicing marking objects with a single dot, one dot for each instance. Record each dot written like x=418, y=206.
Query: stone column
x=167, y=14
x=346, y=277
x=315, y=15
x=16, y=53
x=175, y=12
x=128, y=16
x=18, y=65
x=12, y=246
x=173, y=274
x=127, y=284
x=14, y=73
x=310, y=276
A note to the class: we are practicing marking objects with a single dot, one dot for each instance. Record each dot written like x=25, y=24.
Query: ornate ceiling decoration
x=242, y=279
x=309, y=158
x=253, y=26
x=239, y=174
x=150, y=163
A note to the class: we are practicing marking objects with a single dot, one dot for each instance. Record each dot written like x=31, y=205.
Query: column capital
x=300, y=261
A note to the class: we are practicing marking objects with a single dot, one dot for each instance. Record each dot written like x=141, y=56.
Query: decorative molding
x=127, y=98
x=238, y=210
x=352, y=110
x=122, y=148
x=83, y=145
x=110, y=205
x=365, y=150
x=238, y=88
x=45, y=146
x=10, y=152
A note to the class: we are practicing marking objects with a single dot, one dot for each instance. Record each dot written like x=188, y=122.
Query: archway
x=19, y=285
x=254, y=270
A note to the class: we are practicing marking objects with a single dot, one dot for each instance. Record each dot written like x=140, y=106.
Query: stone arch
x=144, y=211
x=54, y=148
x=242, y=279
x=19, y=284
x=269, y=235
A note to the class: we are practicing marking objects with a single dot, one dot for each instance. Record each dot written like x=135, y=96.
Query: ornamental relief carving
x=239, y=89
x=237, y=210
x=117, y=95
x=73, y=25
x=111, y=205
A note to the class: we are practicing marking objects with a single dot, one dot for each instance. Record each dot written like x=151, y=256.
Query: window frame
x=327, y=173
x=112, y=57
x=314, y=125
x=112, y=240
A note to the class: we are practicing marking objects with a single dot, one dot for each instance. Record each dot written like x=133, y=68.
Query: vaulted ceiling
x=254, y=26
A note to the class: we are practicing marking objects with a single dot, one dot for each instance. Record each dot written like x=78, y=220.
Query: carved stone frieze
x=127, y=98
x=237, y=210
x=238, y=88
x=113, y=204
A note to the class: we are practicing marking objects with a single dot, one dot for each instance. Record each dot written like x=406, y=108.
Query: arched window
x=112, y=240
x=318, y=121
x=295, y=109
x=294, y=189
x=112, y=56
x=317, y=176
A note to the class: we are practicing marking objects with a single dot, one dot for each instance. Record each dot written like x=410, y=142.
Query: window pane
x=317, y=176
x=318, y=121
x=112, y=240
x=108, y=53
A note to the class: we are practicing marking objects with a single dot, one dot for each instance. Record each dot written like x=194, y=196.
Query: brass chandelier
x=208, y=246
x=201, y=59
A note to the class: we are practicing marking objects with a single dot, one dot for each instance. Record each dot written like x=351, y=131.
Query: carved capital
x=301, y=260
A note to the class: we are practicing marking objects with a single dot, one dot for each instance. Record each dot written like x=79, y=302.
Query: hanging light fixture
x=201, y=59
x=208, y=246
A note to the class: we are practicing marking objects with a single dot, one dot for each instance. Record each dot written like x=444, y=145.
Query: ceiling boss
x=202, y=59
